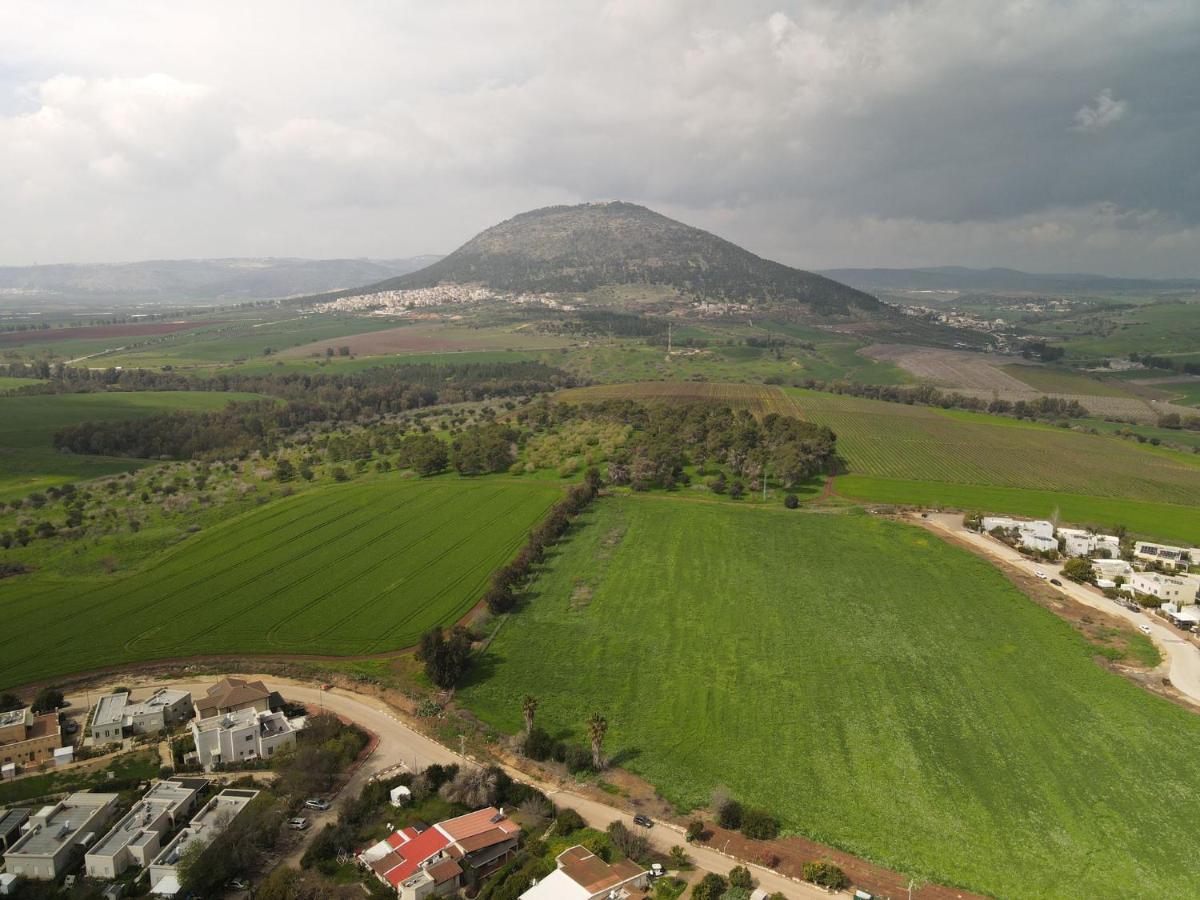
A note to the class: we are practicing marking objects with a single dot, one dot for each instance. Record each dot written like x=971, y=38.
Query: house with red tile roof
x=450, y=855
x=582, y=875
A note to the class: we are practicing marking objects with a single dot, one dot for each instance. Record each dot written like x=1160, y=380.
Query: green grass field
x=914, y=443
x=876, y=688
x=1052, y=380
x=9, y=383
x=346, y=569
x=1166, y=521
x=1149, y=328
x=28, y=460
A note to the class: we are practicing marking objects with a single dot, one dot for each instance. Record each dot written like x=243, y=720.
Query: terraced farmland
x=339, y=570
x=877, y=689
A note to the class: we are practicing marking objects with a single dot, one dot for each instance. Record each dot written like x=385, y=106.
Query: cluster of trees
x=1043, y=351
x=667, y=437
x=753, y=823
x=309, y=398
x=539, y=745
x=1042, y=408
x=446, y=656
x=500, y=595
x=1165, y=363
x=736, y=886
x=484, y=448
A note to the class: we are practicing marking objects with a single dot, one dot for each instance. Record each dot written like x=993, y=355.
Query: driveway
x=1182, y=657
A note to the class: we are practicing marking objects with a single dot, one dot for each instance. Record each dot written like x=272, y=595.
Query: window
x=249, y=737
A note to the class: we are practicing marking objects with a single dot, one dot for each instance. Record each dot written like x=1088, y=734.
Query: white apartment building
x=212, y=819
x=136, y=839
x=1178, y=589
x=1078, y=542
x=115, y=715
x=245, y=734
x=1178, y=557
x=1036, y=534
x=54, y=833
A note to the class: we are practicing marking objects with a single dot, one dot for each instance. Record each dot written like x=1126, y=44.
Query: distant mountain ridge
x=999, y=279
x=575, y=249
x=227, y=280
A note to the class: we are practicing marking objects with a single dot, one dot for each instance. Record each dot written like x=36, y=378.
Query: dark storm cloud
x=1047, y=135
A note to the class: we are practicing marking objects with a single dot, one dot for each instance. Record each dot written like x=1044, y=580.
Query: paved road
x=399, y=744
x=1181, y=656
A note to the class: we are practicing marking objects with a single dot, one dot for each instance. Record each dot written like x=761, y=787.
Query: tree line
x=309, y=398
x=1041, y=408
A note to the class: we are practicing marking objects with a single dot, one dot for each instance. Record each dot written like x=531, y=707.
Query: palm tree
x=529, y=706
x=597, y=727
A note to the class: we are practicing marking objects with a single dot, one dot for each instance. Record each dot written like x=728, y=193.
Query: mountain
x=574, y=249
x=193, y=280
x=958, y=278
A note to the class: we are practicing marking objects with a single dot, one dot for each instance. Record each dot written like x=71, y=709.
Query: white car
x=1039, y=573
x=1144, y=628
x=298, y=824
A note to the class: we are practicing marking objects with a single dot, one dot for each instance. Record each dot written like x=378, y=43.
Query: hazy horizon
x=1051, y=139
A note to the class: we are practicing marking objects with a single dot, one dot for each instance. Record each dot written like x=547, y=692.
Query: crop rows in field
x=919, y=443
x=347, y=570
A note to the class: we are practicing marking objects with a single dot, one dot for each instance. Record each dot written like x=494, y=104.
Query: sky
x=1047, y=136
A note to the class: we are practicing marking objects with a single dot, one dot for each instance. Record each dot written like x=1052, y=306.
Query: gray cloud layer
x=1057, y=135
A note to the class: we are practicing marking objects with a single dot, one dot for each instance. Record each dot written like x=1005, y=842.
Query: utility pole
x=668, y=340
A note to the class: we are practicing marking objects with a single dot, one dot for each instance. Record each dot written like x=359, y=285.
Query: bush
x=710, y=887
x=791, y=501
x=539, y=746
x=729, y=815
x=632, y=845
x=739, y=877
x=567, y=821
x=759, y=825
x=695, y=830
x=826, y=875
x=578, y=759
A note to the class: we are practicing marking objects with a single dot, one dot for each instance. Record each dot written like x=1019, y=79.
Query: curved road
x=1182, y=657
x=401, y=745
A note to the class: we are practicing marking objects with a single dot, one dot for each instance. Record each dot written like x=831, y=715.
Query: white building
x=581, y=875
x=203, y=830
x=245, y=734
x=54, y=834
x=115, y=715
x=1166, y=554
x=1036, y=534
x=1112, y=568
x=136, y=839
x=1078, y=542
x=1178, y=589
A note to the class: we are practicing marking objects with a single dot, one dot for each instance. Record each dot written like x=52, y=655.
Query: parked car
x=1144, y=628
x=298, y=824
x=657, y=871
x=70, y=726
x=1056, y=582
x=643, y=820
x=317, y=803
x=238, y=884
x=1039, y=573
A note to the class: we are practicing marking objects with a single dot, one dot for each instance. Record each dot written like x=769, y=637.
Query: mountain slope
x=565, y=249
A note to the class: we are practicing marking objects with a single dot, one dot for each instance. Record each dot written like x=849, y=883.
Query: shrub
x=578, y=759
x=739, y=877
x=729, y=815
x=632, y=845
x=567, y=821
x=695, y=830
x=791, y=501
x=710, y=887
x=538, y=745
x=759, y=825
x=826, y=875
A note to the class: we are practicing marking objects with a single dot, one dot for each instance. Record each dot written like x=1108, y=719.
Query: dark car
x=1056, y=582
x=644, y=821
